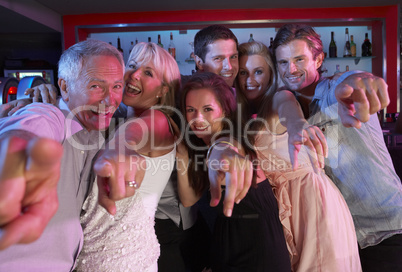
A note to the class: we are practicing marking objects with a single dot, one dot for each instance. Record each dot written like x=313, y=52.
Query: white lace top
x=126, y=241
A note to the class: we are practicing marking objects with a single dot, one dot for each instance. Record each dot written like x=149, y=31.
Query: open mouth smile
x=132, y=90
x=103, y=112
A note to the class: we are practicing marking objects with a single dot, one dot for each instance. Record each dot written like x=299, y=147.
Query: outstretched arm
x=30, y=169
x=121, y=161
x=227, y=166
x=300, y=132
x=360, y=95
x=115, y=170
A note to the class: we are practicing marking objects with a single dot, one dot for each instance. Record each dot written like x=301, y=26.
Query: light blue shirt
x=360, y=166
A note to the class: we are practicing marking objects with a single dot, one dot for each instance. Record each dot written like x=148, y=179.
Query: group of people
x=299, y=175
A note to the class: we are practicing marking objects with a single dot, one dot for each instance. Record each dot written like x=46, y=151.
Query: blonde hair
x=258, y=48
x=165, y=65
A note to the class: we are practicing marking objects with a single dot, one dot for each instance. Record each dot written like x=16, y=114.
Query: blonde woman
x=317, y=223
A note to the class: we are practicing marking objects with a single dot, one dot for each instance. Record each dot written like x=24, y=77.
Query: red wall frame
x=74, y=26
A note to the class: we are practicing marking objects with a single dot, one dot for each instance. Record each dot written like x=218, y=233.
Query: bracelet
x=216, y=143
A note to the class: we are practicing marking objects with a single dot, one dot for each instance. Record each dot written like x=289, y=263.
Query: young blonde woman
x=317, y=223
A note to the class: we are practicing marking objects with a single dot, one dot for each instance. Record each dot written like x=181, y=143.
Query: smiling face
x=144, y=86
x=297, y=67
x=97, y=93
x=221, y=59
x=254, y=76
x=203, y=113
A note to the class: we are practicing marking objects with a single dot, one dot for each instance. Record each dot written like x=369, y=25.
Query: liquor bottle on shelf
x=131, y=47
x=337, y=69
x=172, y=47
x=366, y=47
x=332, y=47
x=347, y=68
x=352, y=46
x=251, y=38
x=346, y=49
x=119, y=46
x=159, y=41
x=271, y=43
x=149, y=39
x=136, y=40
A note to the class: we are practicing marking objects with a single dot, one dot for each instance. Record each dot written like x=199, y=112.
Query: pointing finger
x=216, y=179
x=230, y=193
x=103, y=195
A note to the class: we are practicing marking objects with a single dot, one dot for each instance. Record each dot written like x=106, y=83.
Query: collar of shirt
x=72, y=124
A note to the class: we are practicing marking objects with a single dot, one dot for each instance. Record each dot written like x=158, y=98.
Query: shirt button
x=323, y=129
x=82, y=151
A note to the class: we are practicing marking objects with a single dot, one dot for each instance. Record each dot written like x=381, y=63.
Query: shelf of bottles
x=182, y=41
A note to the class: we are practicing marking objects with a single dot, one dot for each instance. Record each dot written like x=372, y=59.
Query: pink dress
x=317, y=223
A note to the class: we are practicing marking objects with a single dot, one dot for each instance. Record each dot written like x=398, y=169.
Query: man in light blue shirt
x=345, y=107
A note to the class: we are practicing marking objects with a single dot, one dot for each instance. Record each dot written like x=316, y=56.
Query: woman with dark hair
x=252, y=238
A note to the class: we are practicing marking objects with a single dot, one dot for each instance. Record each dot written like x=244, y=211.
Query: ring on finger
x=132, y=184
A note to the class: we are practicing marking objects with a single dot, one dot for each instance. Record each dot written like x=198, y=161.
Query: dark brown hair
x=225, y=96
x=209, y=35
